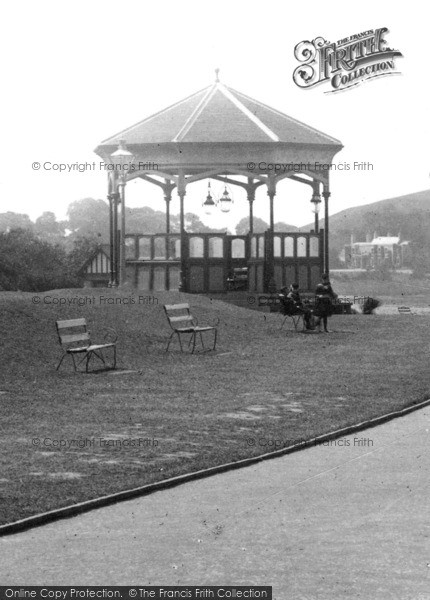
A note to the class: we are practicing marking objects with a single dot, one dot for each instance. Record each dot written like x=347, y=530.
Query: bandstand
x=221, y=134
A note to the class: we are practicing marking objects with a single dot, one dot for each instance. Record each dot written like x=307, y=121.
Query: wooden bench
x=182, y=322
x=239, y=279
x=75, y=339
x=404, y=310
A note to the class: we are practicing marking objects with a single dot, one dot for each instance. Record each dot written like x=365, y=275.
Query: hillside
x=408, y=215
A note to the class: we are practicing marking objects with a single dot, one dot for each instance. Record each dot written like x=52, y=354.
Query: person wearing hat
x=324, y=297
x=292, y=304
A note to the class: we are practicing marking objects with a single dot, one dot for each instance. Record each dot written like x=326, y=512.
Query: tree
x=420, y=260
x=11, y=220
x=49, y=229
x=145, y=220
x=242, y=228
x=284, y=227
x=89, y=218
x=30, y=264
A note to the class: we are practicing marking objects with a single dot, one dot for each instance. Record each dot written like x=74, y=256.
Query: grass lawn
x=401, y=290
x=179, y=413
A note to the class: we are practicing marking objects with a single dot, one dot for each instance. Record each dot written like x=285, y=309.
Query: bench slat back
x=176, y=319
x=73, y=331
x=71, y=339
x=71, y=323
x=172, y=307
x=181, y=319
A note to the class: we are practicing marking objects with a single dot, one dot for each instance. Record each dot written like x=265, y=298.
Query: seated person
x=291, y=304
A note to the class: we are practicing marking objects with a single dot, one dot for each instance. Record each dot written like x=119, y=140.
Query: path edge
x=144, y=490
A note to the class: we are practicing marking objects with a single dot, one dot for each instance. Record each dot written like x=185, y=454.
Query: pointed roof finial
x=216, y=75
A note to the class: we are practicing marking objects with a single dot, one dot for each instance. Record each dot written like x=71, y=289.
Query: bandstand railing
x=273, y=260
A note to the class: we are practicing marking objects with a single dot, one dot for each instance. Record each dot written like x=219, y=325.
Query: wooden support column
x=115, y=246
x=184, y=249
x=110, y=197
x=168, y=199
x=272, y=218
x=251, y=198
x=271, y=192
x=122, y=276
x=269, y=283
x=315, y=197
x=326, y=196
x=167, y=188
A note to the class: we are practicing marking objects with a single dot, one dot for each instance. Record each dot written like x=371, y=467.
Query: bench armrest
x=110, y=335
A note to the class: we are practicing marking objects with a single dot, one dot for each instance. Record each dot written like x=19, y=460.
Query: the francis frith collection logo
x=345, y=63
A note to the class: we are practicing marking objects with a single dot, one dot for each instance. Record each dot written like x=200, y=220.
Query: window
x=174, y=248
x=216, y=247
x=238, y=248
x=145, y=248
x=196, y=247
x=289, y=246
x=301, y=246
x=159, y=248
x=314, y=246
x=261, y=246
x=130, y=248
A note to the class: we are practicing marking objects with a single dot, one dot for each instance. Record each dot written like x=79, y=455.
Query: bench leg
x=99, y=356
x=194, y=342
x=169, y=341
x=180, y=342
x=62, y=358
x=296, y=321
x=87, y=361
x=202, y=342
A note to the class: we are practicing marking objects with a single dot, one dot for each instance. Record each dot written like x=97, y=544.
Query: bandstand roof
x=220, y=114
x=219, y=127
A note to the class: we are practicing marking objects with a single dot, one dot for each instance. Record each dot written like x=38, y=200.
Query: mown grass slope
x=66, y=438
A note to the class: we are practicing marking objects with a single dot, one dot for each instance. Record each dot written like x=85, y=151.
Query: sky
x=75, y=73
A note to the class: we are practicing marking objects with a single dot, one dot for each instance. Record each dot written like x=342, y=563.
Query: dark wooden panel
x=197, y=279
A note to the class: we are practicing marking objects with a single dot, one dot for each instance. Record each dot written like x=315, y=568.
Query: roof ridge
x=157, y=114
x=228, y=94
x=278, y=112
x=195, y=114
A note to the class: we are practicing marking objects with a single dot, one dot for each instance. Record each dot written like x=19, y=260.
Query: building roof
x=220, y=114
x=379, y=241
x=100, y=248
x=383, y=241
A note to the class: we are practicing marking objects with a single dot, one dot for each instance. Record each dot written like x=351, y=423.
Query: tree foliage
x=11, y=220
x=30, y=264
x=49, y=229
x=89, y=218
x=260, y=226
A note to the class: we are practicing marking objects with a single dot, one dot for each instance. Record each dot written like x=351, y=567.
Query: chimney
x=375, y=234
x=368, y=238
x=352, y=238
